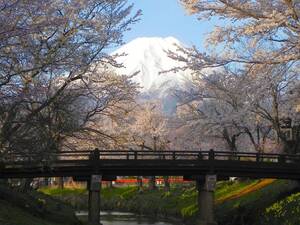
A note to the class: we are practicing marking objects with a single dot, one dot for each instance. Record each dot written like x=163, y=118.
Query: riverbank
x=33, y=208
x=237, y=203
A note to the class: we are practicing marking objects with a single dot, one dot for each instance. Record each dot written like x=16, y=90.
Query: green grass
x=33, y=208
x=11, y=215
x=284, y=212
x=273, y=204
x=122, y=192
x=181, y=201
x=226, y=189
x=65, y=191
x=246, y=208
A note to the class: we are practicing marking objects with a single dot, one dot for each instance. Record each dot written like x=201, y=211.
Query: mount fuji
x=148, y=56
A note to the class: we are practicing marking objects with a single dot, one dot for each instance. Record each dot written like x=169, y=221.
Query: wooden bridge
x=150, y=163
x=203, y=166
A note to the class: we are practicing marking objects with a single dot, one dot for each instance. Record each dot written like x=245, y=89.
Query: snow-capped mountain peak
x=148, y=56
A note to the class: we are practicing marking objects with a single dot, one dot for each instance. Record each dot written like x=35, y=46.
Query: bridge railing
x=73, y=156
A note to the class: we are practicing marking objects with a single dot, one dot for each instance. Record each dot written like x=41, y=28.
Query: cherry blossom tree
x=269, y=95
x=242, y=80
x=149, y=131
x=241, y=107
x=51, y=52
x=214, y=108
x=256, y=32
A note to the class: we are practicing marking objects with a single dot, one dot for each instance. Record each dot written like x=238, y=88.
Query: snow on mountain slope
x=147, y=55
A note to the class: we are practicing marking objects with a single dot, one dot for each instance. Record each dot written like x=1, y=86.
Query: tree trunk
x=60, y=182
x=232, y=144
x=140, y=182
x=230, y=140
x=25, y=184
x=255, y=144
x=166, y=183
x=275, y=114
x=46, y=181
x=110, y=184
x=152, y=185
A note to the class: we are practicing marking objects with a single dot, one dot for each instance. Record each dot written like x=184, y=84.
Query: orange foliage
x=249, y=189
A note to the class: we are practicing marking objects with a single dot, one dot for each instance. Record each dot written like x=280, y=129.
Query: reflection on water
x=121, y=218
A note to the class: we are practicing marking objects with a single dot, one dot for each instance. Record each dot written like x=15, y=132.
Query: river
x=121, y=218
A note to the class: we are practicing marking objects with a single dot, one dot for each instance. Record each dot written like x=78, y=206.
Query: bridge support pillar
x=206, y=187
x=94, y=187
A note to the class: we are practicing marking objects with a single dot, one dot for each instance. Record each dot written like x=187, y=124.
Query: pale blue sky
x=164, y=18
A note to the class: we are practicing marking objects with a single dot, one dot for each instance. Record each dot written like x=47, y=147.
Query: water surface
x=122, y=218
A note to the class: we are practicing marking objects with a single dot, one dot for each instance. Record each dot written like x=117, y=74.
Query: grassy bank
x=249, y=207
x=179, y=202
x=256, y=202
x=284, y=212
x=33, y=208
x=237, y=203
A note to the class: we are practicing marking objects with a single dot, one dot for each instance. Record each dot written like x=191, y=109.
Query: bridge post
x=94, y=199
x=206, y=188
x=135, y=155
x=94, y=186
x=258, y=158
x=211, y=154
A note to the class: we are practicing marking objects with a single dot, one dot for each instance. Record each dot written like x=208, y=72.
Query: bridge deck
x=147, y=163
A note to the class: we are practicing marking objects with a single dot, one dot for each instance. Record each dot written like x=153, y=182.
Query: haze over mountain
x=148, y=56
